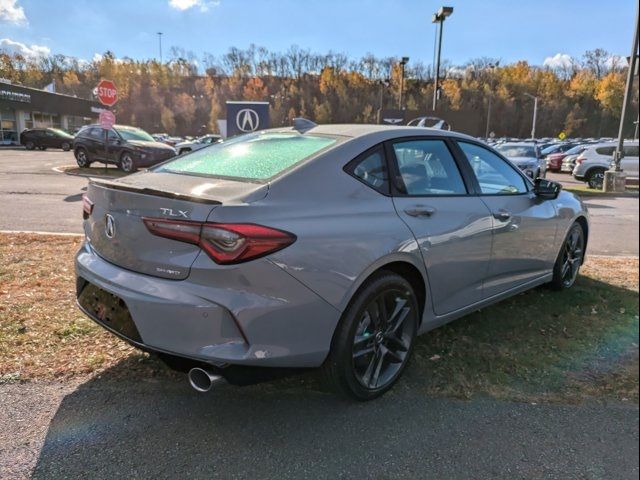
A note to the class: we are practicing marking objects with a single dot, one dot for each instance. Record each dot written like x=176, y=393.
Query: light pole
x=627, y=95
x=382, y=83
x=403, y=62
x=535, y=114
x=439, y=17
x=493, y=67
x=160, y=45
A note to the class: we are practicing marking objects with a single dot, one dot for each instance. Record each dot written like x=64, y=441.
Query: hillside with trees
x=185, y=96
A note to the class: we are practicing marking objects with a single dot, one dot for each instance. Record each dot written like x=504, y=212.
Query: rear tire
x=66, y=146
x=374, y=339
x=30, y=145
x=82, y=158
x=567, y=266
x=595, y=178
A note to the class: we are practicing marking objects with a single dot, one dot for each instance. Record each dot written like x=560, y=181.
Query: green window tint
x=254, y=156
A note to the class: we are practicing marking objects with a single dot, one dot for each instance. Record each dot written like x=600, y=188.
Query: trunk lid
x=117, y=233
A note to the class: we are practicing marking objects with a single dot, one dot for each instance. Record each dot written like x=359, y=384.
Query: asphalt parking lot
x=35, y=197
x=113, y=426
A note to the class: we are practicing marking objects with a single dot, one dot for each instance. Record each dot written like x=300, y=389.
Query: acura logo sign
x=110, y=226
x=247, y=120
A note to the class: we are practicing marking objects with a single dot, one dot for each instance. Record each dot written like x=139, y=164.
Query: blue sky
x=509, y=30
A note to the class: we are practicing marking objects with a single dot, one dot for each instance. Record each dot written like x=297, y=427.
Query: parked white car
x=596, y=159
x=197, y=144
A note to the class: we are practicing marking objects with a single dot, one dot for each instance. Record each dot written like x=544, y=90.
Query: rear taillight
x=87, y=206
x=579, y=160
x=225, y=243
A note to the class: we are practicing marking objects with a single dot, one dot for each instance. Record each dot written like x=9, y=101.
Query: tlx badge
x=175, y=213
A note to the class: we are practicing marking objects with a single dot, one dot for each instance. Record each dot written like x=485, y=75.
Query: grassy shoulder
x=540, y=345
x=96, y=171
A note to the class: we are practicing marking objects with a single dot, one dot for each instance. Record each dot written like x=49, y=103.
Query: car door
x=629, y=162
x=524, y=226
x=451, y=226
x=115, y=146
x=95, y=143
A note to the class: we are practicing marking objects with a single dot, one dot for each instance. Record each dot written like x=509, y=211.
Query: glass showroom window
x=8, y=129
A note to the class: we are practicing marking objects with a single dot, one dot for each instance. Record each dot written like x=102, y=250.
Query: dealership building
x=23, y=107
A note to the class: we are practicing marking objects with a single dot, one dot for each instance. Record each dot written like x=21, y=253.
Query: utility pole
x=439, y=18
x=383, y=83
x=535, y=114
x=627, y=96
x=491, y=86
x=403, y=62
x=615, y=178
x=160, y=45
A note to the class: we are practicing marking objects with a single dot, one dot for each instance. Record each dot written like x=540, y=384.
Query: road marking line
x=38, y=232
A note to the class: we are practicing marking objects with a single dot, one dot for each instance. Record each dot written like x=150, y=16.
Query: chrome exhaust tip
x=203, y=379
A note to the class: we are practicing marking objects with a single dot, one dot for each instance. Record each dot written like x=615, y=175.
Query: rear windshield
x=129, y=133
x=516, y=151
x=255, y=156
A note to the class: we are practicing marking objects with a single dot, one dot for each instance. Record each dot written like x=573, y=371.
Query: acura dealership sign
x=246, y=117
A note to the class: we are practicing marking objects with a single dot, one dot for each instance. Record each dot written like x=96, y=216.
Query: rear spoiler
x=114, y=185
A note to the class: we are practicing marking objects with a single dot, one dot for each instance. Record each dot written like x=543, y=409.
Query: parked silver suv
x=596, y=159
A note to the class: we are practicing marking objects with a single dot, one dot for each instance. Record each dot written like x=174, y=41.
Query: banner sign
x=246, y=117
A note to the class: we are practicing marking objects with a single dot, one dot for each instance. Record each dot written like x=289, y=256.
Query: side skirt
x=430, y=322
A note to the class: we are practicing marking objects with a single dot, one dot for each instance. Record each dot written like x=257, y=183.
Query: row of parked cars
x=129, y=148
x=586, y=159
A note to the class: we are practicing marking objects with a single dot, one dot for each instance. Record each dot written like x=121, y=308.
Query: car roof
x=384, y=132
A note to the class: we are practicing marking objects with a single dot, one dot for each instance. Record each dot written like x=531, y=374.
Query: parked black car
x=44, y=138
x=128, y=147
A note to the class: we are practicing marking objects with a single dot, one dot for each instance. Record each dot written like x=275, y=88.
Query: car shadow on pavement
x=115, y=428
x=124, y=424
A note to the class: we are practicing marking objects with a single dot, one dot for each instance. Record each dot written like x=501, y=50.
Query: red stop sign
x=107, y=93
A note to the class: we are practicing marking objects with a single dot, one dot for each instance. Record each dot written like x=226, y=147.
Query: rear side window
x=631, y=150
x=371, y=170
x=255, y=156
x=428, y=168
x=605, y=150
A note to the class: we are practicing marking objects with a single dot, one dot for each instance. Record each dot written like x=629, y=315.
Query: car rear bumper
x=257, y=315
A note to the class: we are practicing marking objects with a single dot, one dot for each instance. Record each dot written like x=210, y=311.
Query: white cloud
x=559, y=60
x=183, y=5
x=616, y=61
x=12, y=13
x=28, y=51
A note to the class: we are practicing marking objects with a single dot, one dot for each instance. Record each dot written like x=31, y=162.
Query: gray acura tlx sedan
x=331, y=246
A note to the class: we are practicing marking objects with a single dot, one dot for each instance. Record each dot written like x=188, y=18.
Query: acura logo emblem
x=110, y=226
x=247, y=120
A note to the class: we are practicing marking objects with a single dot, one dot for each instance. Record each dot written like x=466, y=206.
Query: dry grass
x=42, y=333
x=538, y=345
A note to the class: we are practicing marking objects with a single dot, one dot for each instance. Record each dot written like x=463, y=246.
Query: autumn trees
x=183, y=96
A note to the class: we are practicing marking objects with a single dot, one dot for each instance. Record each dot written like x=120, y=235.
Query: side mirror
x=546, y=189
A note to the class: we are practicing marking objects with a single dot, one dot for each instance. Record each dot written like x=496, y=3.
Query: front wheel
x=30, y=145
x=82, y=158
x=567, y=266
x=374, y=339
x=66, y=146
x=127, y=164
x=595, y=179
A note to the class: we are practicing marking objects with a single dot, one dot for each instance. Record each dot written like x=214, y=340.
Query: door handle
x=502, y=215
x=420, y=211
